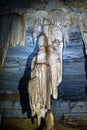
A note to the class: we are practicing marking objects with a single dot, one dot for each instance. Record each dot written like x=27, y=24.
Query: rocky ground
x=25, y=124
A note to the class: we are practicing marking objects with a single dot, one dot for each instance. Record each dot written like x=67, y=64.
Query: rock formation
x=64, y=13
x=50, y=24
x=46, y=69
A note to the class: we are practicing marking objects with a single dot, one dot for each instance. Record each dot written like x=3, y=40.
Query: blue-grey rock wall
x=16, y=74
x=74, y=81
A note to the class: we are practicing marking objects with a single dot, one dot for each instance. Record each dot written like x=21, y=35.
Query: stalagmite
x=46, y=69
x=39, y=76
x=12, y=32
x=50, y=121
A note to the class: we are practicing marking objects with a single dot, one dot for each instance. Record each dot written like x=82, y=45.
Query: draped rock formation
x=46, y=70
x=12, y=32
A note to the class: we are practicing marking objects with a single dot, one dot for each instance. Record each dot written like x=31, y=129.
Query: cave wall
x=74, y=73
x=16, y=73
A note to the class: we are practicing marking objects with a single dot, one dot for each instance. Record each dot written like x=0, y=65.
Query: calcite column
x=38, y=85
x=46, y=69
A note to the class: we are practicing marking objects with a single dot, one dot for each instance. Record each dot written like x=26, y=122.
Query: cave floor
x=26, y=124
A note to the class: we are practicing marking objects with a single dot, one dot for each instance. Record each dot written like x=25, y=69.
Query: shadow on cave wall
x=23, y=84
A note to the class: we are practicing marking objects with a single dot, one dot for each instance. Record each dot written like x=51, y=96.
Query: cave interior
x=17, y=49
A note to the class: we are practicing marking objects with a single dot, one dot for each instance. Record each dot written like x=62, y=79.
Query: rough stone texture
x=62, y=110
x=70, y=110
x=74, y=74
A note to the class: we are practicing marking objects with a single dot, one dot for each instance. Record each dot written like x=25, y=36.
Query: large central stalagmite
x=46, y=70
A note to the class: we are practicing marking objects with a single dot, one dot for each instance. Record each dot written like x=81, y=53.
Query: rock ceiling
x=64, y=14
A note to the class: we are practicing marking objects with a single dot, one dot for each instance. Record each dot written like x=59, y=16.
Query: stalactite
x=82, y=24
x=63, y=21
x=13, y=29
x=12, y=32
x=3, y=52
x=36, y=29
x=56, y=15
x=65, y=36
x=46, y=70
x=55, y=46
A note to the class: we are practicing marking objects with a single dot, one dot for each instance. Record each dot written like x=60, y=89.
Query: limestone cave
x=43, y=64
